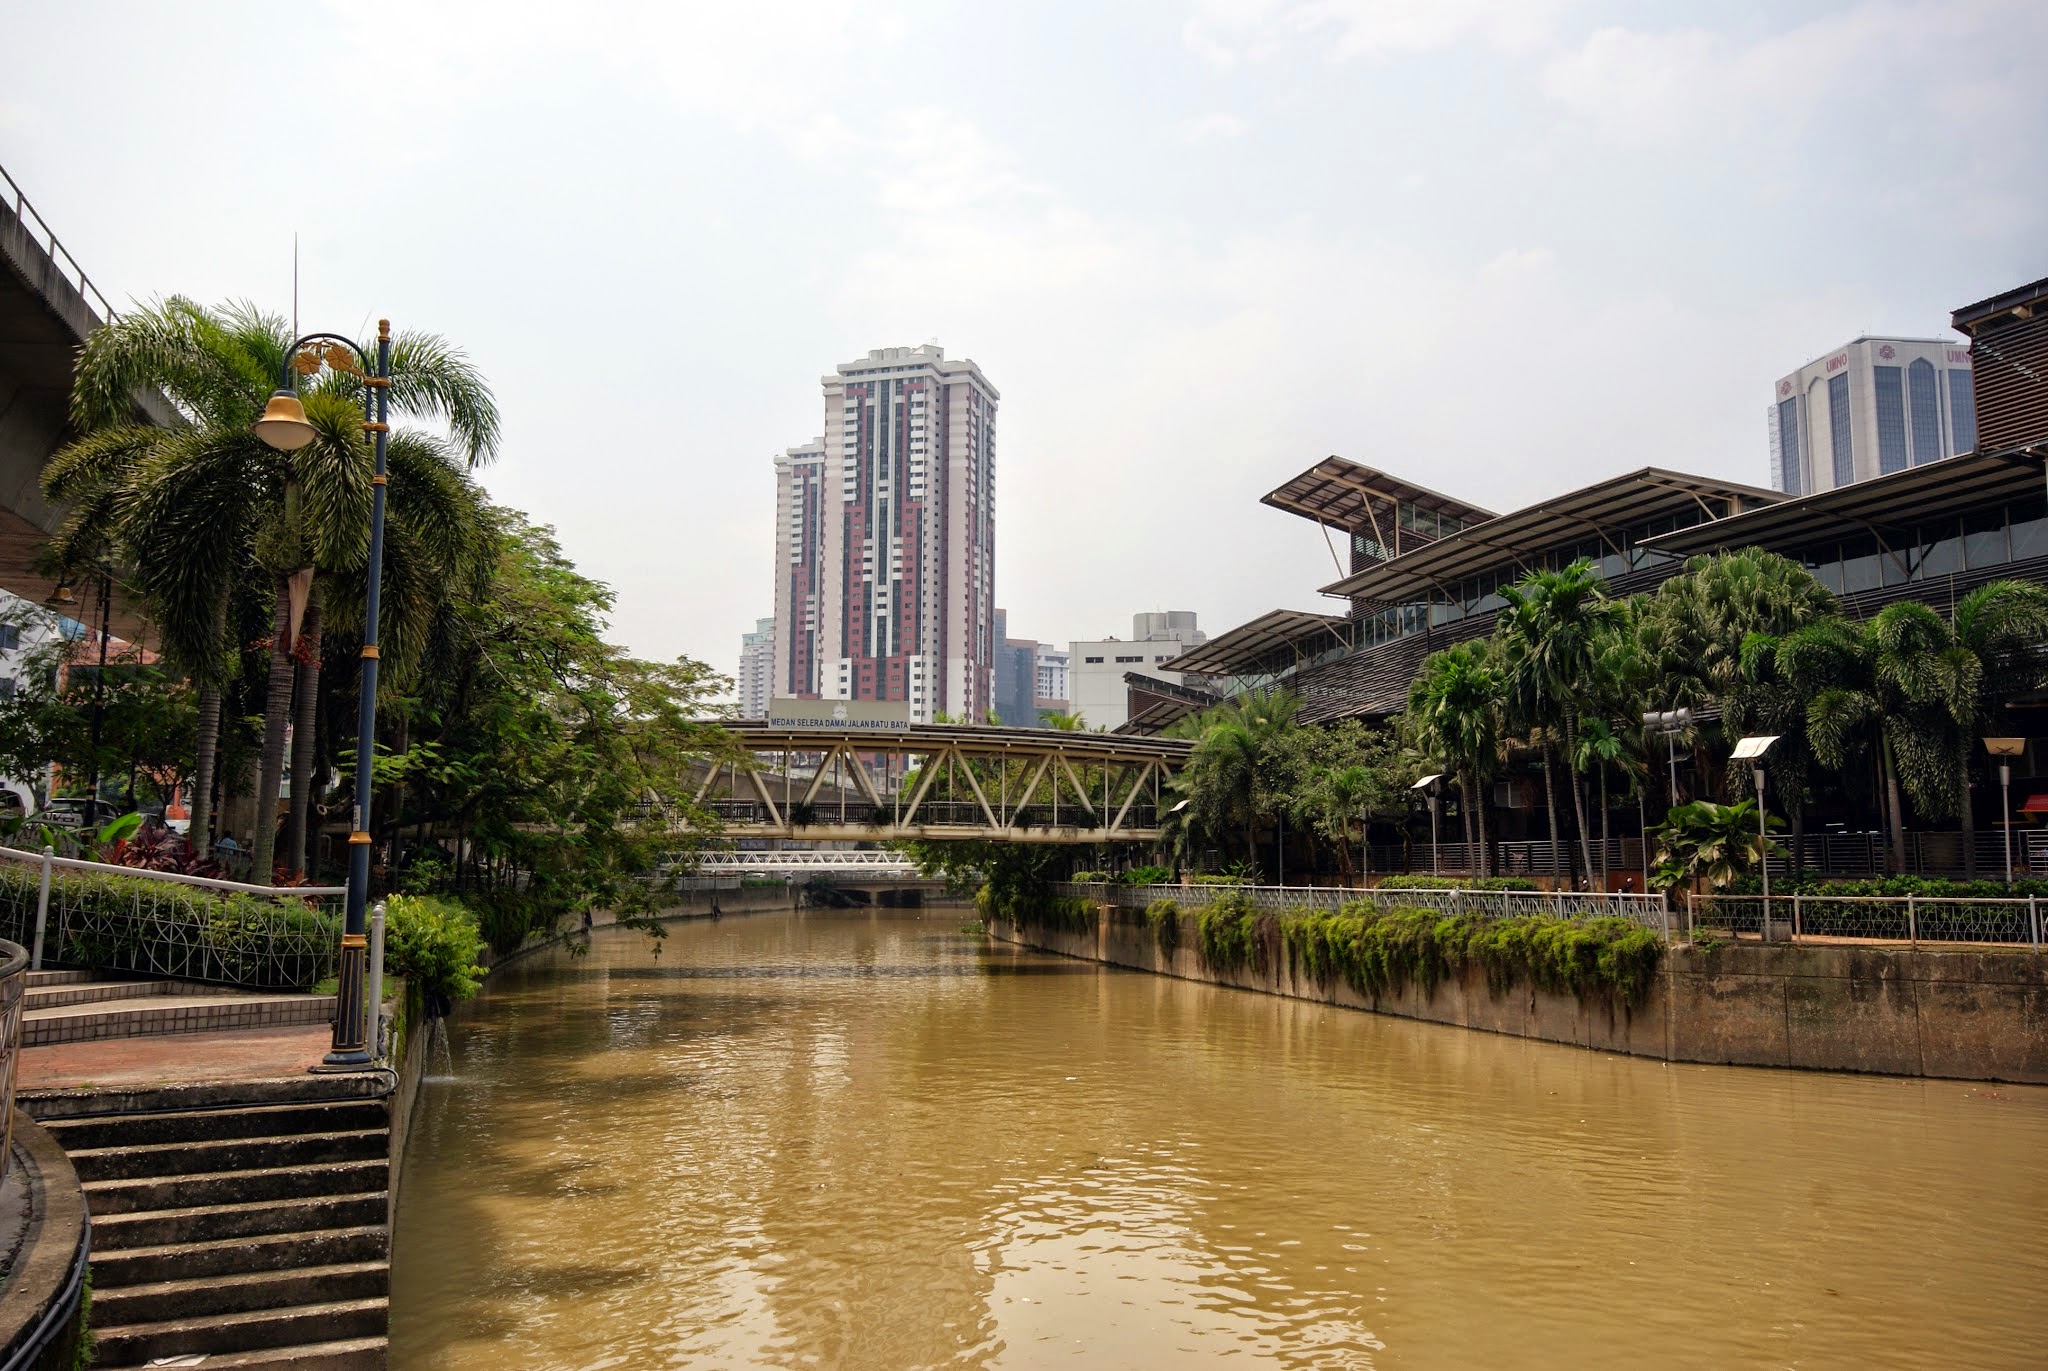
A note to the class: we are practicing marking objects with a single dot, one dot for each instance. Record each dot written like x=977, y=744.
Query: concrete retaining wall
x=1972, y=1015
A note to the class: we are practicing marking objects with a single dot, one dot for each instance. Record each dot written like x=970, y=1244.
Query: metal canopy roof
x=1288, y=633
x=2022, y=302
x=1337, y=492
x=1899, y=500
x=1604, y=508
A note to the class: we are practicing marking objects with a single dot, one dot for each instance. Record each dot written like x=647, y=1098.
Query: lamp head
x=2005, y=747
x=283, y=425
x=61, y=597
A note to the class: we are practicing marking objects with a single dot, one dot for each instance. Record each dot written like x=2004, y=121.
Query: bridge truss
x=866, y=865
x=1026, y=785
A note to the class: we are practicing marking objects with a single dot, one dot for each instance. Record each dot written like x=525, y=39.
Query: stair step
x=227, y=1154
x=146, y=1016
x=199, y=1297
x=232, y=1256
x=354, y=1354
x=38, y=978
x=196, y=1125
x=90, y=992
x=215, y=1222
x=333, y=1321
x=67, y=1103
x=136, y=1195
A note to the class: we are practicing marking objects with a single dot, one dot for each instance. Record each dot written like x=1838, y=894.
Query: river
x=854, y=1140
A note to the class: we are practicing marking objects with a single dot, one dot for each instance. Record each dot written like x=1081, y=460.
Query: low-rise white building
x=1096, y=667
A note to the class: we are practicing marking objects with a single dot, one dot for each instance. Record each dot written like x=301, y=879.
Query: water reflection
x=857, y=1140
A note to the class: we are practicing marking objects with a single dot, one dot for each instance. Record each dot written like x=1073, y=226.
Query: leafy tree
x=200, y=509
x=1550, y=637
x=1457, y=715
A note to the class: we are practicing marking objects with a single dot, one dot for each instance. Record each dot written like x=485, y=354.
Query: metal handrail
x=13, y=994
x=283, y=892
x=24, y=211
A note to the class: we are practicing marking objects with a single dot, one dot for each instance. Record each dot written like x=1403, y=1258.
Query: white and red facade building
x=905, y=567
x=799, y=549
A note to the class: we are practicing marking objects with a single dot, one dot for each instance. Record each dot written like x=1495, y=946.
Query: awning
x=1900, y=500
x=1609, y=510
x=1343, y=494
x=1273, y=642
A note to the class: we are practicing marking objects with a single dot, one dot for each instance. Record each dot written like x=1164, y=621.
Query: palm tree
x=1952, y=677
x=201, y=508
x=1457, y=709
x=1551, y=634
x=1224, y=781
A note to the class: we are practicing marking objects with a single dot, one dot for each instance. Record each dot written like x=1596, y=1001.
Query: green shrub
x=1931, y=886
x=435, y=944
x=1234, y=935
x=1163, y=915
x=1379, y=952
x=1208, y=878
x=1091, y=877
x=1456, y=883
x=1147, y=875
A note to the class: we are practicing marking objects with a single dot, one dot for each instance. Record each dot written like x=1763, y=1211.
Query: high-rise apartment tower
x=757, y=669
x=906, y=607
x=799, y=569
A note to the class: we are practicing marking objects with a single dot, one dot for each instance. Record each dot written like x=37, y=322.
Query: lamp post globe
x=283, y=425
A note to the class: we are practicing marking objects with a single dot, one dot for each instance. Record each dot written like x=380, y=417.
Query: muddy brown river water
x=853, y=1140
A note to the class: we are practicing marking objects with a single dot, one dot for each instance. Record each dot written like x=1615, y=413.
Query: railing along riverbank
x=1903, y=920
x=159, y=923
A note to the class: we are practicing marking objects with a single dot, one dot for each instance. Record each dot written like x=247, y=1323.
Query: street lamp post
x=1428, y=784
x=1752, y=750
x=2005, y=749
x=284, y=427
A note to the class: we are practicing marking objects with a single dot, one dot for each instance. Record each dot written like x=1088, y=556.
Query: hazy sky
x=1501, y=249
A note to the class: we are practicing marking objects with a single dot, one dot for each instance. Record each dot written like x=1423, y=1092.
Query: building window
x=1962, y=411
x=1788, y=442
x=1891, y=419
x=6, y=687
x=1925, y=399
x=1838, y=430
x=1092, y=661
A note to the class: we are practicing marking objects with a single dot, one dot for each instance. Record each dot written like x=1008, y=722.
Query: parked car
x=78, y=813
x=15, y=802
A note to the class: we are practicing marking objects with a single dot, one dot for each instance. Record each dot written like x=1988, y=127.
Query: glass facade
x=1788, y=443
x=1891, y=419
x=1838, y=430
x=1929, y=552
x=1926, y=402
x=1962, y=411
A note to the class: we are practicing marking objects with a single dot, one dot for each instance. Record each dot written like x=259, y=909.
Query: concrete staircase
x=70, y=1006
x=244, y=1223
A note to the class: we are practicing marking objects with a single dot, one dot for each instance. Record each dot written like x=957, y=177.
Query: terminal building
x=1425, y=569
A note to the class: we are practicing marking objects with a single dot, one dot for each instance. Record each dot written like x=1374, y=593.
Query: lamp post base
x=350, y=1050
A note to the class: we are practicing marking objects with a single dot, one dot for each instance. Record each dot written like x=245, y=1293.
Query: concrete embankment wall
x=1972, y=1015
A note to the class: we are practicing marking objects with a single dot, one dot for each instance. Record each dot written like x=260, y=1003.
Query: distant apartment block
x=1051, y=690
x=799, y=571
x=1869, y=408
x=905, y=606
x=1096, y=669
x=757, y=669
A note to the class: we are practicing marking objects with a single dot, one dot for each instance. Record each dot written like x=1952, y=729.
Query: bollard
x=1796, y=925
x=2034, y=921
x=376, y=1016
x=1912, y=922
x=42, y=910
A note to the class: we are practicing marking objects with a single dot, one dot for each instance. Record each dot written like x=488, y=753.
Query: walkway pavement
x=173, y=1059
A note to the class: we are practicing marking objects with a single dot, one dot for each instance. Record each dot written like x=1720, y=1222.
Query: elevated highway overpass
x=48, y=307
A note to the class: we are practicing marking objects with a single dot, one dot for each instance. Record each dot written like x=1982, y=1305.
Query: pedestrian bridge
x=941, y=781
x=804, y=864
